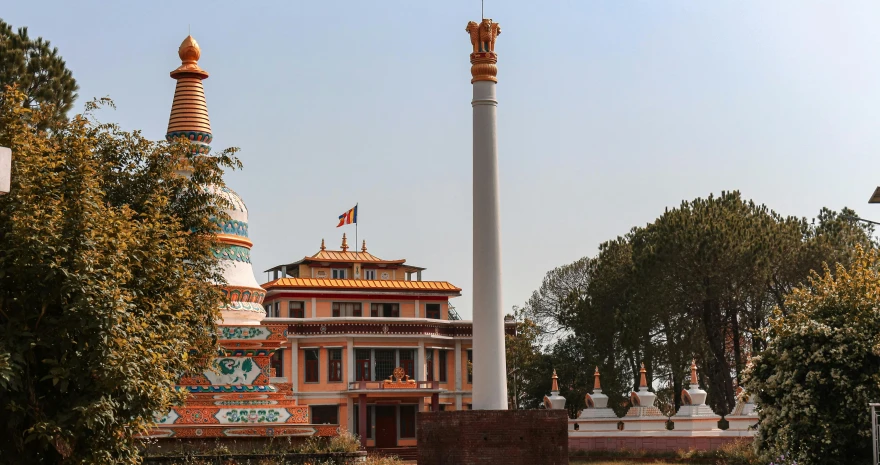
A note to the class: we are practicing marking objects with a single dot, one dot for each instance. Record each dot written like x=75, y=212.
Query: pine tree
x=38, y=70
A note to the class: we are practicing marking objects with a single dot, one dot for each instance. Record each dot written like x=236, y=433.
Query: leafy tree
x=821, y=367
x=105, y=297
x=523, y=354
x=37, y=69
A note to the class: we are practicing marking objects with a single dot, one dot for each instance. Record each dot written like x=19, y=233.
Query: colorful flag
x=348, y=217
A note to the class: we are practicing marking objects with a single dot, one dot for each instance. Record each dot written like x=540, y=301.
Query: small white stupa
x=693, y=400
x=554, y=401
x=597, y=403
x=643, y=399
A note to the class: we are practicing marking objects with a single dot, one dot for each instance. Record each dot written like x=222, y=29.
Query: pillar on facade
x=490, y=383
x=362, y=419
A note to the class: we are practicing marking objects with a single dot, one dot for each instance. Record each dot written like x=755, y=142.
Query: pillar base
x=514, y=437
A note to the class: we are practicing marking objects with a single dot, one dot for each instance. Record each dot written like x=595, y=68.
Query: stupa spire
x=596, y=383
x=555, y=386
x=345, y=243
x=189, y=111
x=643, y=383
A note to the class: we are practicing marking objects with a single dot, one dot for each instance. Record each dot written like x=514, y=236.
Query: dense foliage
x=37, y=69
x=105, y=270
x=821, y=368
x=701, y=281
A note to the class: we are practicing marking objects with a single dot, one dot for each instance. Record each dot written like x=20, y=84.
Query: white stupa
x=597, y=403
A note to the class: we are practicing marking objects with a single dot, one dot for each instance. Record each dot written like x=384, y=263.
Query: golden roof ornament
x=364, y=246
x=483, y=57
x=189, y=53
x=322, y=245
x=344, y=243
x=555, y=386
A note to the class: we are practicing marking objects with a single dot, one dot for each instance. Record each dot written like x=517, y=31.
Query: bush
x=821, y=368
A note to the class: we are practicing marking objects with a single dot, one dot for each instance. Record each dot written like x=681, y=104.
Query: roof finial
x=344, y=243
x=555, y=387
x=364, y=247
x=596, y=384
x=322, y=245
x=694, y=371
x=642, y=382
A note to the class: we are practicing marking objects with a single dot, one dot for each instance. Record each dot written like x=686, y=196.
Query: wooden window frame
x=312, y=366
x=302, y=309
x=328, y=407
x=443, y=378
x=338, y=310
x=334, y=365
x=429, y=311
x=408, y=426
x=363, y=367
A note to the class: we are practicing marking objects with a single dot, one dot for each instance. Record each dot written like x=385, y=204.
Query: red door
x=386, y=426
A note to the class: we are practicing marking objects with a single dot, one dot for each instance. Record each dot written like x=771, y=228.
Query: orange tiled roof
x=364, y=284
x=337, y=255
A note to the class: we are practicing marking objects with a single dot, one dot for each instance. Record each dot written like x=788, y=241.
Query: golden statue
x=483, y=35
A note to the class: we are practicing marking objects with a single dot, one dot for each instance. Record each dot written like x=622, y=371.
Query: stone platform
x=513, y=437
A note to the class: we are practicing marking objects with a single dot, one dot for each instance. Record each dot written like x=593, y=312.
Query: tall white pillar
x=490, y=377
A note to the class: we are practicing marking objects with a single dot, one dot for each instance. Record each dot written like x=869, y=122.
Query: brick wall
x=511, y=437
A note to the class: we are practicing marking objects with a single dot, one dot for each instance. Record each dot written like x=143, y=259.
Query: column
x=490, y=388
x=362, y=419
x=314, y=307
x=420, y=366
x=294, y=365
x=350, y=361
x=458, y=366
x=417, y=309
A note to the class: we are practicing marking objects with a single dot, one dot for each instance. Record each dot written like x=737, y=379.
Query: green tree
x=105, y=297
x=523, y=354
x=821, y=367
x=38, y=71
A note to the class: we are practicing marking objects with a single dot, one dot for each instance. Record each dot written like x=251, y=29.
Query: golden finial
x=555, y=386
x=344, y=243
x=322, y=245
x=693, y=371
x=189, y=53
x=364, y=247
x=483, y=57
x=643, y=383
x=596, y=384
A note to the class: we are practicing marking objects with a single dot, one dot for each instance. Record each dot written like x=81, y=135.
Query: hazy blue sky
x=609, y=111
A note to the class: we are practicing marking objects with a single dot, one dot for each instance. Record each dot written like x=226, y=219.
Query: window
x=362, y=368
x=432, y=311
x=384, y=363
x=357, y=423
x=407, y=421
x=470, y=366
x=369, y=274
x=385, y=310
x=442, y=361
x=429, y=365
x=312, y=365
x=325, y=414
x=272, y=310
x=277, y=363
x=341, y=309
x=334, y=369
x=407, y=362
x=338, y=273
x=295, y=309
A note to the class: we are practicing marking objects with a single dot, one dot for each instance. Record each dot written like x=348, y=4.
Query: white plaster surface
x=490, y=380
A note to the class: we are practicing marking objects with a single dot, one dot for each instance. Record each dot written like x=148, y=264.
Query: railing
x=875, y=433
x=380, y=385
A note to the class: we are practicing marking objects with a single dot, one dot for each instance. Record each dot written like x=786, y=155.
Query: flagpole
x=356, y=249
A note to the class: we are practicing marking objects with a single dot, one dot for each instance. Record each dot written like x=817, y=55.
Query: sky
x=608, y=113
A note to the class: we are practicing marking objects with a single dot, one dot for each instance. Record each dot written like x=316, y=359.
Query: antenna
x=482, y=6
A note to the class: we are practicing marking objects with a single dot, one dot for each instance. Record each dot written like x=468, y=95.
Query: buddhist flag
x=348, y=217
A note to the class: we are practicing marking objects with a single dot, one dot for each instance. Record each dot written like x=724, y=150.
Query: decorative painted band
x=233, y=252
x=233, y=227
x=243, y=294
x=194, y=136
x=244, y=307
x=236, y=388
x=244, y=352
x=244, y=332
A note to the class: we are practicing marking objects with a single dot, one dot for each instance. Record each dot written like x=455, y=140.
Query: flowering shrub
x=821, y=369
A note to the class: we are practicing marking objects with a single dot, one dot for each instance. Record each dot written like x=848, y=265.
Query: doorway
x=386, y=426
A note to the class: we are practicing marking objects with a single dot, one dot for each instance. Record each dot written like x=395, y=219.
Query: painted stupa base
x=236, y=398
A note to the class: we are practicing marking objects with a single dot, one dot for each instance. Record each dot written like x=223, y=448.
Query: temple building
x=366, y=334
x=338, y=339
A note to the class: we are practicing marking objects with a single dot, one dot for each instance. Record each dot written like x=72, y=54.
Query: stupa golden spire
x=189, y=111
